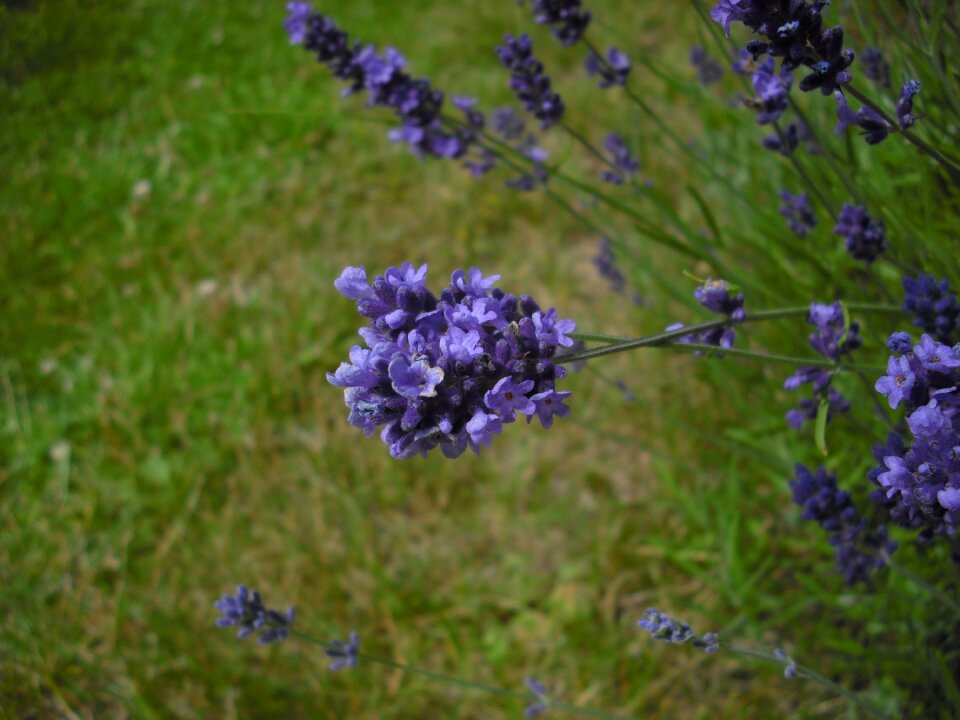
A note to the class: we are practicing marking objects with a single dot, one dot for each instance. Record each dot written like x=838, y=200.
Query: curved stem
x=472, y=684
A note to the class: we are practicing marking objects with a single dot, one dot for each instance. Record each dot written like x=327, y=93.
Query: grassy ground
x=180, y=189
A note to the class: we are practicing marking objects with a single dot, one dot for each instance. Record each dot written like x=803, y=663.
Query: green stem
x=920, y=582
x=803, y=671
x=472, y=684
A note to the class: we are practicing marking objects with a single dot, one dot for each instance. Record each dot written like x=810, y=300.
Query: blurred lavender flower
x=864, y=237
x=568, y=19
x=875, y=66
x=606, y=264
x=627, y=165
x=344, y=655
x=860, y=550
x=875, y=128
x=905, y=104
x=709, y=70
x=416, y=103
x=541, y=702
x=785, y=142
x=448, y=372
x=794, y=32
x=833, y=339
x=665, y=628
x=744, y=64
x=790, y=665
x=511, y=127
x=798, y=212
x=772, y=92
x=933, y=305
x=721, y=297
x=247, y=611
x=613, y=70
x=528, y=81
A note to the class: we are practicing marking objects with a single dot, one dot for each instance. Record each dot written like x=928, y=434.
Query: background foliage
x=180, y=189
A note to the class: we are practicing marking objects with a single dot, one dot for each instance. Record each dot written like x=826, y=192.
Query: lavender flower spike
x=665, y=628
x=798, y=212
x=528, y=81
x=567, y=17
x=343, y=654
x=541, y=703
x=905, y=104
x=246, y=610
x=613, y=70
x=863, y=236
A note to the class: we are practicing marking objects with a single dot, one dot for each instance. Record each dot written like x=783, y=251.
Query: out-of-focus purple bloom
x=417, y=105
x=709, y=70
x=606, y=264
x=785, y=142
x=612, y=69
x=864, y=236
x=808, y=408
x=744, y=63
x=798, y=212
x=541, y=702
x=343, y=654
x=528, y=81
x=246, y=610
x=448, y=372
x=860, y=549
x=875, y=66
x=772, y=92
x=511, y=127
x=790, y=665
x=933, y=305
x=875, y=128
x=721, y=297
x=567, y=17
x=905, y=104
x=627, y=165
x=664, y=628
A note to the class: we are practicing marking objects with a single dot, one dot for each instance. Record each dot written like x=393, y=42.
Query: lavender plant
x=450, y=370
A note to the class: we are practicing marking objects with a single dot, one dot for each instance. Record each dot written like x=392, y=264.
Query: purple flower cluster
x=568, y=19
x=529, y=82
x=709, y=70
x=665, y=628
x=833, y=339
x=875, y=128
x=343, y=654
x=448, y=372
x=905, y=104
x=875, y=66
x=626, y=164
x=416, y=103
x=789, y=139
x=510, y=126
x=613, y=70
x=920, y=484
x=541, y=701
x=933, y=305
x=794, y=32
x=721, y=297
x=247, y=610
x=864, y=236
x=798, y=212
x=607, y=267
x=860, y=550
x=772, y=90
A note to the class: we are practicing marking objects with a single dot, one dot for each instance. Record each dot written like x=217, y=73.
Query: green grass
x=180, y=189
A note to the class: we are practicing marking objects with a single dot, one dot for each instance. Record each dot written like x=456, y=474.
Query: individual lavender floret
x=541, y=702
x=296, y=23
x=709, y=70
x=613, y=70
x=665, y=628
x=790, y=665
x=448, y=372
x=528, y=81
x=627, y=165
x=875, y=128
x=860, y=550
x=772, y=92
x=875, y=66
x=568, y=19
x=246, y=610
x=933, y=305
x=721, y=297
x=798, y=212
x=343, y=654
x=606, y=264
x=864, y=236
x=905, y=104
